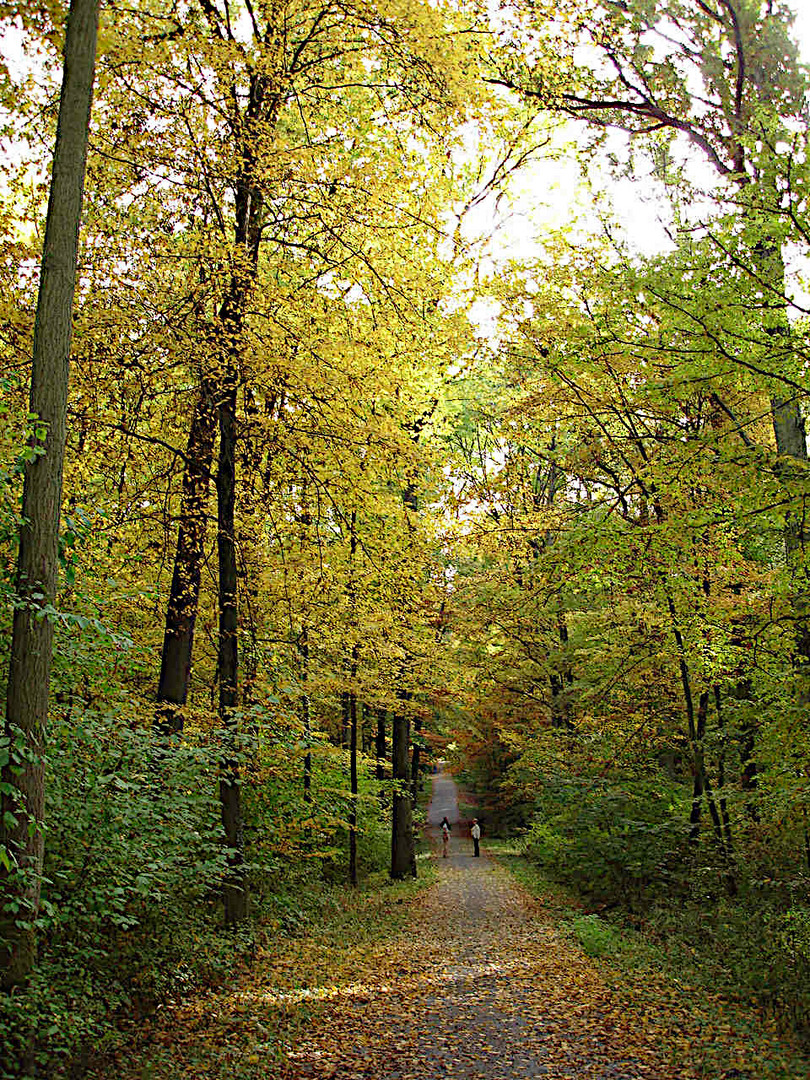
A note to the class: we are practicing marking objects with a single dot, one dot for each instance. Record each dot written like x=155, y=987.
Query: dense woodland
x=352, y=482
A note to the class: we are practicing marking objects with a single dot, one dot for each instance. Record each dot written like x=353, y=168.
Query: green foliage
x=753, y=945
x=133, y=861
x=597, y=937
x=610, y=839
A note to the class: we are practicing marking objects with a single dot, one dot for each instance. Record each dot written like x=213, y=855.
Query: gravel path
x=482, y=987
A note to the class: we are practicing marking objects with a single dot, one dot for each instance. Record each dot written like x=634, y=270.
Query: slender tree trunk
x=749, y=775
x=379, y=745
x=544, y=490
x=693, y=721
x=415, y=759
x=29, y=675
x=235, y=892
x=350, y=716
x=353, y=774
x=699, y=754
x=697, y=805
x=403, y=859
x=303, y=656
x=345, y=717
x=181, y=611
x=721, y=773
x=365, y=733
x=403, y=853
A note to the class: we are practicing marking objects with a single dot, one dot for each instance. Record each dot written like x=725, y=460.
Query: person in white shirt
x=475, y=832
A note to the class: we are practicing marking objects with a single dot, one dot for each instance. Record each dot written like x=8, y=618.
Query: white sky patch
x=484, y=314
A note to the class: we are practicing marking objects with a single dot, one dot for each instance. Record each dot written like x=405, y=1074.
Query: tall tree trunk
x=181, y=610
x=303, y=657
x=721, y=772
x=365, y=731
x=37, y=571
x=345, y=710
x=235, y=892
x=403, y=856
x=415, y=759
x=379, y=745
x=699, y=755
x=351, y=698
x=353, y=774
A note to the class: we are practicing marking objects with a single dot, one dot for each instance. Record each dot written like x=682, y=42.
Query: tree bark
x=415, y=760
x=353, y=776
x=403, y=856
x=181, y=611
x=235, y=892
x=37, y=570
x=350, y=715
x=303, y=656
x=379, y=745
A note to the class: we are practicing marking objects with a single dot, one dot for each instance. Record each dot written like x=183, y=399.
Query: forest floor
x=478, y=982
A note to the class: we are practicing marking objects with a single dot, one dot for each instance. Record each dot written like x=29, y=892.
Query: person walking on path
x=475, y=832
x=445, y=838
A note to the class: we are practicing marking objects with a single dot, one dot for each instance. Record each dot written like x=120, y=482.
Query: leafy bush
x=597, y=937
x=750, y=944
x=133, y=859
x=613, y=842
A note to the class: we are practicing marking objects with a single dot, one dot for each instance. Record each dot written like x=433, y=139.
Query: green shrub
x=133, y=857
x=597, y=937
x=613, y=842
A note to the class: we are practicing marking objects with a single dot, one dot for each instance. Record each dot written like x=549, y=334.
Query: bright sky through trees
x=550, y=193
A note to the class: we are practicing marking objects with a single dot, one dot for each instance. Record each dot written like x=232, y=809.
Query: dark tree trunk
x=365, y=733
x=403, y=856
x=345, y=716
x=351, y=697
x=303, y=656
x=353, y=776
x=721, y=773
x=697, y=805
x=235, y=892
x=379, y=745
x=696, y=723
x=181, y=611
x=749, y=775
x=699, y=754
x=415, y=760
x=37, y=571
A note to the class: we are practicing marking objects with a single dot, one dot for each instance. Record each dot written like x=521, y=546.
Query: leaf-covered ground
x=478, y=983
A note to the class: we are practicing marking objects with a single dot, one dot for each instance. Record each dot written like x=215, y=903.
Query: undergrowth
x=657, y=960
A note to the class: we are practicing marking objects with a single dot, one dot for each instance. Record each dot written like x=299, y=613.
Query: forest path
x=481, y=986
x=467, y=979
